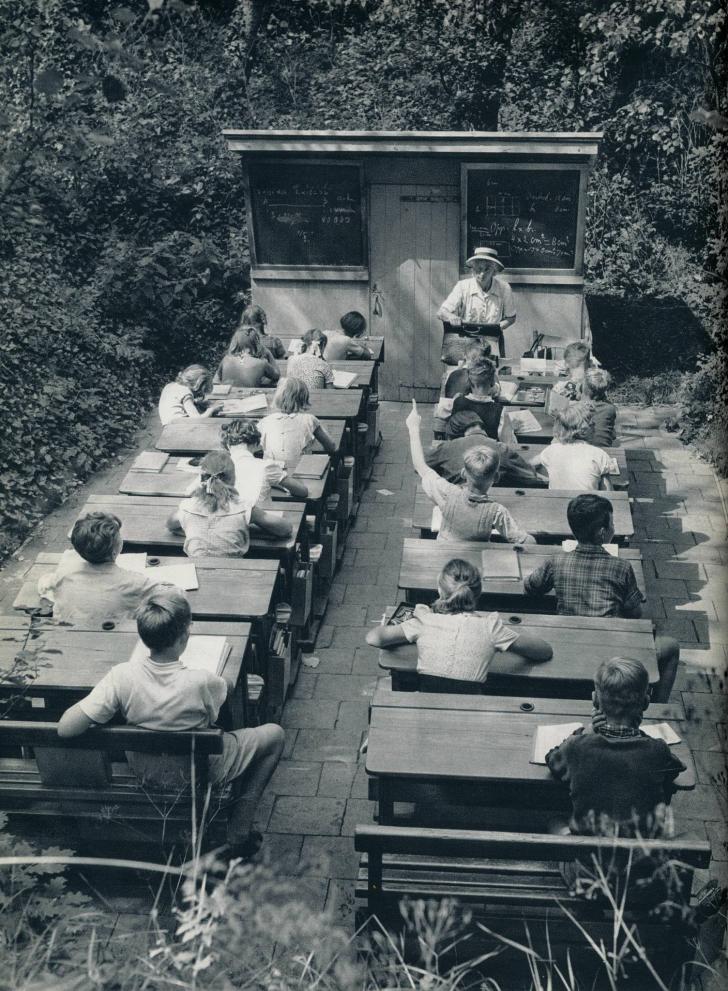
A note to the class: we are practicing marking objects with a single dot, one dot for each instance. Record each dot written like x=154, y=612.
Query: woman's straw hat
x=486, y=255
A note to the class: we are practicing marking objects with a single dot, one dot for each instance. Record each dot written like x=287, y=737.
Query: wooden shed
x=383, y=221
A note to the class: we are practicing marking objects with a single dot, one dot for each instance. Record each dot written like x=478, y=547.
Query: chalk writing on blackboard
x=307, y=214
x=528, y=215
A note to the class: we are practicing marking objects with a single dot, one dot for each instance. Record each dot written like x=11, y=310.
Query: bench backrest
x=83, y=761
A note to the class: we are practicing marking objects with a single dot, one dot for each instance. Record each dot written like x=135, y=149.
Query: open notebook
x=522, y=421
x=500, y=562
x=343, y=380
x=204, y=653
x=183, y=575
x=508, y=390
x=250, y=404
x=548, y=737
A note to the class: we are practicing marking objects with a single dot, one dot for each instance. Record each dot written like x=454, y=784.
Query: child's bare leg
x=668, y=658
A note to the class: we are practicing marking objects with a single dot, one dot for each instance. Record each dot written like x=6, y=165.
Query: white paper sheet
x=660, y=731
x=184, y=575
x=523, y=421
x=342, y=380
x=548, y=737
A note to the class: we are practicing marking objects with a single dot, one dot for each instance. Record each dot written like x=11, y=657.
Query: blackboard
x=528, y=215
x=307, y=214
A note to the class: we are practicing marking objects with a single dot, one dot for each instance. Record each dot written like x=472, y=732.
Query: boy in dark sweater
x=594, y=397
x=480, y=399
x=619, y=778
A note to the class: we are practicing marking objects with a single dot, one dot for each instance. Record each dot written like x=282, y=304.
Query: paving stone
x=281, y=851
x=354, y=687
x=336, y=779
x=700, y=706
x=367, y=541
x=350, y=636
x=310, y=714
x=360, y=785
x=711, y=768
x=366, y=661
x=263, y=810
x=701, y=803
x=718, y=836
x=692, y=571
x=372, y=595
x=348, y=615
x=334, y=660
x=294, y=814
x=329, y=745
x=295, y=777
x=353, y=714
x=355, y=575
x=305, y=684
x=359, y=812
x=341, y=903
x=311, y=891
x=325, y=636
x=329, y=856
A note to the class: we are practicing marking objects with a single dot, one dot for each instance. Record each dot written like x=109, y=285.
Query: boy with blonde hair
x=618, y=777
x=571, y=460
x=468, y=513
x=158, y=692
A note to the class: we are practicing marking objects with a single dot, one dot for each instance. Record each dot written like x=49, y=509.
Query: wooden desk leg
x=385, y=805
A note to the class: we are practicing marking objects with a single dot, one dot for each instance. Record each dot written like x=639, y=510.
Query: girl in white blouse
x=288, y=431
x=454, y=642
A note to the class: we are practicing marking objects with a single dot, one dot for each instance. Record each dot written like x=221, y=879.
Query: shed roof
x=583, y=145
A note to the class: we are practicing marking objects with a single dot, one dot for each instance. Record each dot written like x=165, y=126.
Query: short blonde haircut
x=481, y=465
x=573, y=424
x=577, y=353
x=291, y=396
x=596, y=383
x=622, y=686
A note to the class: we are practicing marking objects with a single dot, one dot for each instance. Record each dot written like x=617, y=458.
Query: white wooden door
x=414, y=251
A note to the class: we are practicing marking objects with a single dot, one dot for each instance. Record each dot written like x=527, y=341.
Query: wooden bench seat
x=513, y=886
x=85, y=779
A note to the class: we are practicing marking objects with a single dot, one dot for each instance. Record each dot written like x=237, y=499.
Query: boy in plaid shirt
x=588, y=581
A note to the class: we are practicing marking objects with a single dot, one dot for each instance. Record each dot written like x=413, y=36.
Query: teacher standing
x=484, y=298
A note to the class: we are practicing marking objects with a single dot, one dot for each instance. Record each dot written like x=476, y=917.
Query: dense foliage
x=123, y=241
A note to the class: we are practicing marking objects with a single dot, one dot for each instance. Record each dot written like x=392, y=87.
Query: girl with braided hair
x=456, y=644
x=214, y=520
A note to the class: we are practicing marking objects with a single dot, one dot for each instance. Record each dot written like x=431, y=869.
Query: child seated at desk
x=309, y=365
x=291, y=428
x=180, y=398
x=446, y=457
x=344, y=345
x=215, y=520
x=577, y=358
x=255, y=317
x=468, y=513
x=454, y=643
x=247, y=364
x=589, y=581
x=480, y=399
x=604, y=413
x=158, y=693
x=619, y=779
x=571, y=460
x=457, y=382
x=91, y=588
x=254, y=476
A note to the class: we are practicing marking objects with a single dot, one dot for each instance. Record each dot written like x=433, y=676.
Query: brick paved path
x=319, y=792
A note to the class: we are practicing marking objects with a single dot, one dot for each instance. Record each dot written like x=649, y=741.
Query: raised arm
x=413, y=422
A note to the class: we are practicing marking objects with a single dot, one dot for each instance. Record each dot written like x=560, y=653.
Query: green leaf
x=49, y=81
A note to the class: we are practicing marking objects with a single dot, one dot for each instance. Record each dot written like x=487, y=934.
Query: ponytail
x=460, y=588
x=217, y=481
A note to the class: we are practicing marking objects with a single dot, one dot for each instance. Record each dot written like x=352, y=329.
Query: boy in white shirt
x=89, y=586
x=158, y=693
x=570, y=460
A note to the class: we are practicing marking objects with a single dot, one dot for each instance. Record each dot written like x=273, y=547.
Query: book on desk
x=202, y=653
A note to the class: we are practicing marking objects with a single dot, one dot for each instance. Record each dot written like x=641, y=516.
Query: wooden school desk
x=144, y=526
x=545, y=432
x=476, y=749
x=69, y=661
x=511, y=369
x=233, y=589
x=541, y=511
x=375, y=344
x=172, y=481
x=529, y=450
x=365, y=371
x=192, y=437
x=326, y=404
x=531, y=393
x=580, y=644
x=503, y=568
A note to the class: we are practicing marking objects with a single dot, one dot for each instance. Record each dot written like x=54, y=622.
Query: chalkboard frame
x=265, y=270
x=535, y=275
